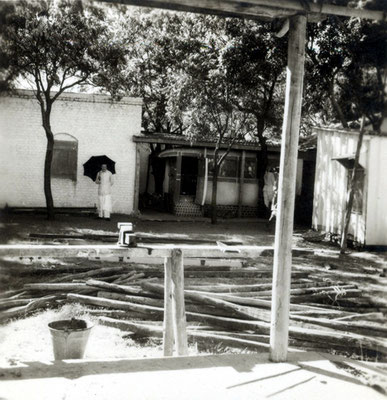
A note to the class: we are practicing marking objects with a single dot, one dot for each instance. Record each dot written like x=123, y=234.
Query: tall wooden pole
x=351, y=193
x=168, y=339
x=279, y=332
x=178, y=306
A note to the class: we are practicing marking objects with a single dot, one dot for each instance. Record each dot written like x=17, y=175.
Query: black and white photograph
x=192, y=199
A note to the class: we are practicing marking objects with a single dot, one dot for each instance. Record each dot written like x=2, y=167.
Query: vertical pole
x=136, y=180
x=176, y=194
x=178, y=307
x=241, y=181
x=279, y=332
x=168, y=323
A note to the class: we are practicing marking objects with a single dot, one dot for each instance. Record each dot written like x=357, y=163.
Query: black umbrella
x=93, y=165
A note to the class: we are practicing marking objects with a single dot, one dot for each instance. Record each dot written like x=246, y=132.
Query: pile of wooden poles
x=227, y=305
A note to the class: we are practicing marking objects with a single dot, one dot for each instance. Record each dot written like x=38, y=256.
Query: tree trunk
x=215, y=171
x=47, y=162
x=261, y=168
x=336, y=105
x=158, y=169
x=351, y=194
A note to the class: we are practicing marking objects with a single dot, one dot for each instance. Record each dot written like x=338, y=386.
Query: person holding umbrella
x=105, y=181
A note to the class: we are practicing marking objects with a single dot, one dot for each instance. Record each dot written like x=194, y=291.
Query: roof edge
x=75, y=96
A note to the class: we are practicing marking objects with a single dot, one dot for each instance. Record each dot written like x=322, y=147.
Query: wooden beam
x=153, y=251
x=257, y=9
x=287, y=190
x=178, y=305
x=221, y=8
x=168, y=339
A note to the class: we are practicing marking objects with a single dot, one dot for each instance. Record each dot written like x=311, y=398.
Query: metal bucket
x=69, y=338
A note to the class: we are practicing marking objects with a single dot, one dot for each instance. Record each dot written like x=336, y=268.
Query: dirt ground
x=29, y=338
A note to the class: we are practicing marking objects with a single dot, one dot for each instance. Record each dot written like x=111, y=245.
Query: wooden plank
x=257, y=9
x=178, y=305
x=168, y=338
x=222, y=8
x=286, y=191
x=151, y=251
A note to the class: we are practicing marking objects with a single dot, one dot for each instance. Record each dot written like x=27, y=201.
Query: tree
x=204, y=94
x=346, y=65
x=56, y=46
x=257, y=59
x=153, y=59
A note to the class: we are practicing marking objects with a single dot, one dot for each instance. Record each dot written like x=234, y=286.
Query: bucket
x=69, y=338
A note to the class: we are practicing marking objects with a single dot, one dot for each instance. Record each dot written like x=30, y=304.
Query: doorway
x=189, y=176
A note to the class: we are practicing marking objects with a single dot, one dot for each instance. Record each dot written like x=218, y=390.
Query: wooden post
x=168, y=323
x=241, y=181
x=351, y=193
x=176, y=194
x=136, y=180
x=178, y=307
x=286, y=191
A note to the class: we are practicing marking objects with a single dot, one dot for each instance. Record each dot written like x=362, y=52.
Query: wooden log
x=134, y=277
x=242, y=311
x=11, y=293
x=237, y=273
x=373, y=316
x=13, y=303
x=107, y=278
x=312, y=290
x=160, y=303
x=156, y=331
x=124, y=277
x=168, y=333
x=122, y=314
x=236, y=289
x=25, y=310
x=329, y=294
x=350, y=341
x=132, y=299
x=64, y=287
x=116, y=304
x=178, y=304
x=261, y=303
x=225, y=281
x=88, y=274
x=287, y=190
x=363, y=328
x=114, y=287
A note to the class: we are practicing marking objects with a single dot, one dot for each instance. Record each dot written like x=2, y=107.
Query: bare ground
x=29, y=339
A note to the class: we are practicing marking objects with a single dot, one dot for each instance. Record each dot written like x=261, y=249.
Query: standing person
x=268, y=188
x=105, y=182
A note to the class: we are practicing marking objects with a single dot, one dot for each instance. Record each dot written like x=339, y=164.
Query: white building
x=335, y=158
x=84, y=125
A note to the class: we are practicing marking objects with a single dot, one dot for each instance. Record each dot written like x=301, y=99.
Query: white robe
x=268, y=189
x=105, y=182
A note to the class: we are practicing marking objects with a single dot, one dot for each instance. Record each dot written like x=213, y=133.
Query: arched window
x=65, y=157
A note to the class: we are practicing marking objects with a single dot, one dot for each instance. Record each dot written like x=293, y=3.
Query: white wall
x=331, y=182
x=100, y=126
x=376, y=233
